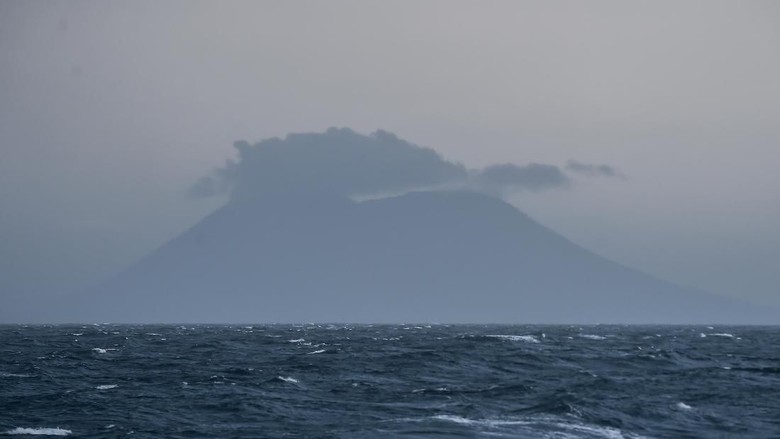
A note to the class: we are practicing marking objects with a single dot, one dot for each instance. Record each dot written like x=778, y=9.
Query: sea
x=389, y=381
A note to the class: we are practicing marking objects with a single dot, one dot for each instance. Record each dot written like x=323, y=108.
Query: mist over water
x=354, y=381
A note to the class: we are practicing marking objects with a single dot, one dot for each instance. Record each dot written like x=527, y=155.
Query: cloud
x=338, y=162
x=345, y=163
x=499, y=179
x=593, y=170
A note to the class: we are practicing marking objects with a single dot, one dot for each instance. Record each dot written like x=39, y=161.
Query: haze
x=110, y=112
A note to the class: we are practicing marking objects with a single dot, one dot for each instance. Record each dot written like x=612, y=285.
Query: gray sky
x=110, y=111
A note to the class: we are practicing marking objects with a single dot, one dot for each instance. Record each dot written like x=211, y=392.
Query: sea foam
x=13, y=375
x=288, y=379
x=525, y=338
x=482, y=422
x=103, y=351
x=40, y=431
x=544, y=427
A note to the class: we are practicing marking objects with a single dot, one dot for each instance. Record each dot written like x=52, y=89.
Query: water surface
x=355, y=381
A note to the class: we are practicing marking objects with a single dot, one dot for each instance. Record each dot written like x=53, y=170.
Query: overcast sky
x=110, y=111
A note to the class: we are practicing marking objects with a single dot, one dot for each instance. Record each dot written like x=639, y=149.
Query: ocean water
x=387, y=381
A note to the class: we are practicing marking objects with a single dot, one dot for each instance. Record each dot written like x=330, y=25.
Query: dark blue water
x=336, y=381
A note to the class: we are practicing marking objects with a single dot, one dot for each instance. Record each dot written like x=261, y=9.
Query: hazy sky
x=110, y=111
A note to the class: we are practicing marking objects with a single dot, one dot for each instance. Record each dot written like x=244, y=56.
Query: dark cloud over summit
x=338, y=161
x=345, y=163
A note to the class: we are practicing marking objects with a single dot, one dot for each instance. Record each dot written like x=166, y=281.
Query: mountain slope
x=439, y=256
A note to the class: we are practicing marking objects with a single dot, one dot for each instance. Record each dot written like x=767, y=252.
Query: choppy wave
x=103, y=350
x=356, y=381
x=318, y=351
x=40, y=431
x=525, y=338
x=544, y=426
x=14, y=375
x=288, y=379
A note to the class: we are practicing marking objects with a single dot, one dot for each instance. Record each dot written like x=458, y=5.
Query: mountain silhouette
x=292, y=245
x=429, y=256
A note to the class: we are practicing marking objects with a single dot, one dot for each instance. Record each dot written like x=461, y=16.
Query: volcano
x=291, y=245
x=439, y=256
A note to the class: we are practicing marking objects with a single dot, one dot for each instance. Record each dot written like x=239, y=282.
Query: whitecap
x=458, y=419
x=106, y=386
x=531, y=425
x=13, y=375
x=490, y=423
x=297, y=340
x=455, y=419
x=683, y=406
x=40, y=431
x=593, y=337
x=288, y=379
x=598, y=431
x=722, y=334
x=525, y=338
x=318, y=351
x=102, y=351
